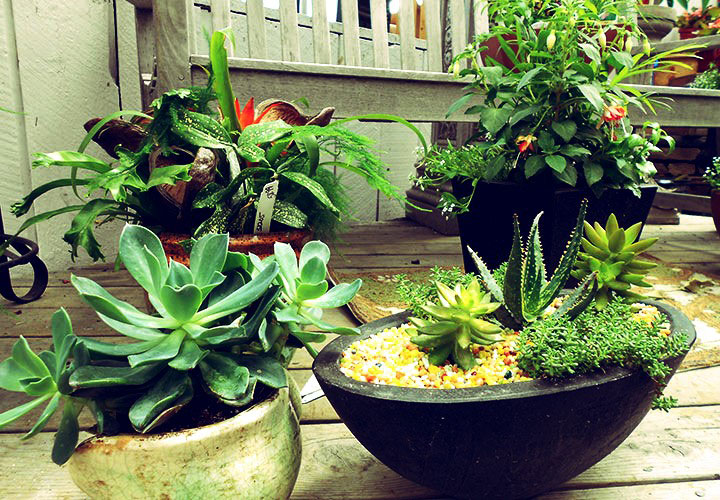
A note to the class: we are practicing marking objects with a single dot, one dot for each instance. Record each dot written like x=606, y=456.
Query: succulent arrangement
x=610, y=254
x=224, y=326
x=455, y=323
x=712, y=174
x=191, y=167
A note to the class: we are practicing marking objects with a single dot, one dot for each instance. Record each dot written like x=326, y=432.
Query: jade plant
x=223, y=326
x=526, y=292
x=611, y=253
x=456, y=323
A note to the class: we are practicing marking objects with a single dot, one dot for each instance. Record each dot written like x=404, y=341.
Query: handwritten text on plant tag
x=265, y=207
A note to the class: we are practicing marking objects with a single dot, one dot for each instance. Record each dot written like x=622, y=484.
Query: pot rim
x=326, y=368
x=245, y=418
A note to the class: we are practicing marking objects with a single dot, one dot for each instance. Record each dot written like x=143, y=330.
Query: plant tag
x=265, y=207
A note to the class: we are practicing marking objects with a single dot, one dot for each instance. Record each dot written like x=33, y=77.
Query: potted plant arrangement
x=712, y=176
x=700, y=21
x=553, y=125
x=502, y=387
x=198, y=402
x=656, y=20
x=186, y=170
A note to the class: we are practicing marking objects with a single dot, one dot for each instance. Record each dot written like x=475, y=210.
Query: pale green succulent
x=610, y=253
x=456, y=324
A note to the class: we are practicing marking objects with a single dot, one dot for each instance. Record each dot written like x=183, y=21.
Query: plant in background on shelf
x=224, y=326
x=456, y=323
x=526, y=292
x=184, y=168
x=558, y=108
x=610, y=253
x=701, y=20
x=712, y=174
x=708, y=79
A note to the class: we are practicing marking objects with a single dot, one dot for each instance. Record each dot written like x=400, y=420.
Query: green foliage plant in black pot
x=554, y=124
x=200, y=395
x=554, y=381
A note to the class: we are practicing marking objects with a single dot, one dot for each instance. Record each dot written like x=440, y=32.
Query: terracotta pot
x=715, y=208
x=254, y=455
x=260, y=244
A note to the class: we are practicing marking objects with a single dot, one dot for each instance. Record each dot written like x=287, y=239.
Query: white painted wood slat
x=406, y=19
x=321, y=32
x=257, y=46
x=433, y=32
x=458, y=28
x=378, y=18
x=351, y=32
x=290, y=38
x=480, y=17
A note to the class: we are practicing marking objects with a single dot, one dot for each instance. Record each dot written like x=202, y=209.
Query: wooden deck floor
x=675, y=455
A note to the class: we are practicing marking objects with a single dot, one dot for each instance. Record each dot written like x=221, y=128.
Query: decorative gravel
x=389, y=358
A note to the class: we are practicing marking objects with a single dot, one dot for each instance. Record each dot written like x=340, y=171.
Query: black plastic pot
x=504, y=441
x=488, y=227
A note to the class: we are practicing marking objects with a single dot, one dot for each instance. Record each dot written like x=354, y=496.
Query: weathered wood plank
x=406, y=19
x=378, y=19
x=351, y=32
x=697, y=489
x=433, y=24
x=289, y=35
x=458, y=26
x=680, y=447
x=683, y=201
x=257, y=46
x=321, y=32
x=172, y=43
x=480, y=17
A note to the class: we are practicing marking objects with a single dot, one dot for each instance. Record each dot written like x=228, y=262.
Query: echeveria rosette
x=526, y=292
x=456, y=323
x=304, y=291
x=44, y=377
x=611, y=253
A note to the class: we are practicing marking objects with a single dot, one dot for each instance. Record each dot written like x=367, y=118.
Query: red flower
x=614, y=113
x=524, y=142
x=247, y=115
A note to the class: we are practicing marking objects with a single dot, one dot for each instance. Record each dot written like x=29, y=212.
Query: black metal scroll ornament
x=27, y=253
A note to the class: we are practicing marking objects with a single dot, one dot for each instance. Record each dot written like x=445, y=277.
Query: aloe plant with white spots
x=222, y=325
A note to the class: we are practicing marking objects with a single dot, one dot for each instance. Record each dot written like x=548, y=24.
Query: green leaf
x=179, y=275
x=312, y=186
x=132, y=331
x=144, y=257
x=181, y=303
x=593, y=172
x=565, y=129
x=286, y=213
x=620, y=60
x=533, y=165
x=493, y=119
x=267, y=370
x=512, y=284
x=521, y=112
x=528, y=76
x=287, y=260
x=236, y=260
x=90, y=376
x=42, y=421
x=120, y=350
x=533, y=273
x=168, y=175
x=221, y=78
x=240, y=298
x=494, y=168
x=263, y=133
x=339, y=295
x=313, y=271
x=10, y=416
x=462, y=101
x=168, y=348
x=31, y=221
x=81, y=234
x=313, y=249
x=188, y=357
x=591, y=51
x=198, y=129
x=70, y=159
x=10, y=375
x=63, y=339
x=165, y=398
x=308, y=291
x=592, y=94
x=22, y=207
x=568, y=176
x=39, y=387
x=224, y=377
x=28, y=360
x=546, y=141
x=556, y=162
x=66, y=437
x=327, y=327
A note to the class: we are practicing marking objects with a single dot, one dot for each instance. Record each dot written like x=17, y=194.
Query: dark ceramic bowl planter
x=487, y=226
x=715, y=208
x=504, y=441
